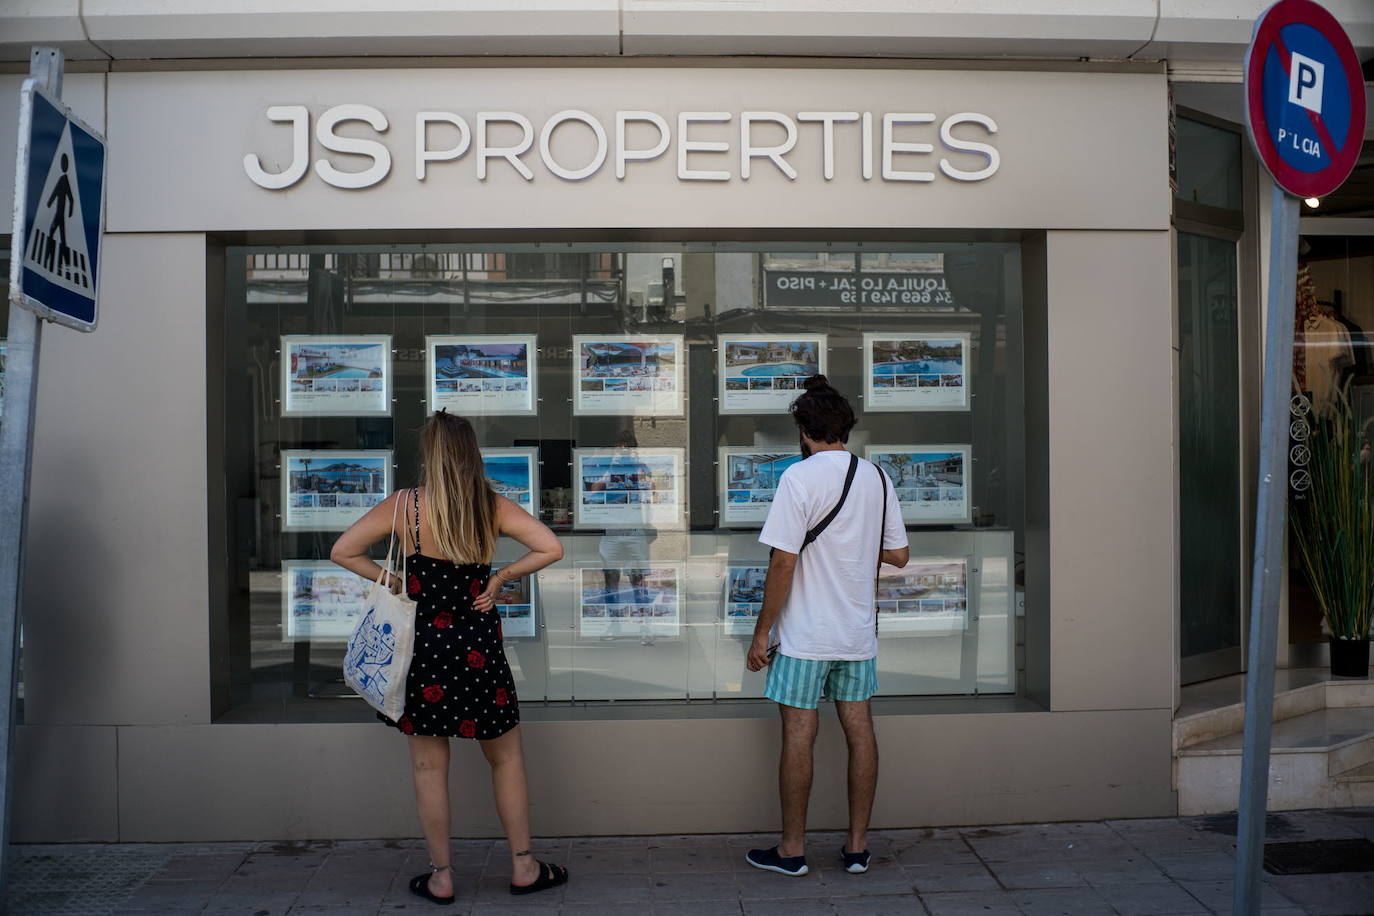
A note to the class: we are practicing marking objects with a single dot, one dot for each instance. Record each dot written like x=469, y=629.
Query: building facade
x=616, y=235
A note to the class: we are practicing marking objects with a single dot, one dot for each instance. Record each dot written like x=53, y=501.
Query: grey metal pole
x=16, y=458
x=1271, y=516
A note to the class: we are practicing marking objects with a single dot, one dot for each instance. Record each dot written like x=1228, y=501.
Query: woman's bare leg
x=507, y=759
x=429, y=768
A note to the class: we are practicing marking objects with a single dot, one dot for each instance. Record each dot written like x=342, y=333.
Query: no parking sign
x=1305, y=113
x=1305, y=102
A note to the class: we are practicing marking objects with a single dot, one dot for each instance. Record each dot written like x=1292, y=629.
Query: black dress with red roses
x=460, y=685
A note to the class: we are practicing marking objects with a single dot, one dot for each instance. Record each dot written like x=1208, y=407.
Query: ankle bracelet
x=438, y=868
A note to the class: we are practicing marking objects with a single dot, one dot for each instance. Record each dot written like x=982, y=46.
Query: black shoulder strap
x=882, y=526
x=416, y=491
x=844, y=494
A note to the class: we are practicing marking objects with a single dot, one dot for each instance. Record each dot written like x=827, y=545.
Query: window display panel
x=336, y=376
x=603, y=382
x=489, y=374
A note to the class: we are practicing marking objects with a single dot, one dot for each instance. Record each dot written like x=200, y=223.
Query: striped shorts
x=803, y=682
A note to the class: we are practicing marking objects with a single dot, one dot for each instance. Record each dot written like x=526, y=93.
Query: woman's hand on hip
x=487, y=600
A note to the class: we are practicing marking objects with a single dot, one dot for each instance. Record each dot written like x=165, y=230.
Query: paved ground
x=1130, y=868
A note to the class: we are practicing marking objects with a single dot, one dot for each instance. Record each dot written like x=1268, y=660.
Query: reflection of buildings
x=946, y=580
x=340, y=477
x=625, y=474
x=758, y=471
x=328, y=588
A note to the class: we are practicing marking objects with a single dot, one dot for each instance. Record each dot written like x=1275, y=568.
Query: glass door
x=1212, y=177
x=1210, y=534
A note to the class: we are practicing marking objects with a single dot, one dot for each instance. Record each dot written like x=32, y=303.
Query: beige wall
x=115, y=624
x=118, y=739
x=1059, y=168
x=226, y=782
x=1112, y=467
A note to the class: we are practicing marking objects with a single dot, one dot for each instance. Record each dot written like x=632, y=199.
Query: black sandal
x=549, y=876
x=419, y=886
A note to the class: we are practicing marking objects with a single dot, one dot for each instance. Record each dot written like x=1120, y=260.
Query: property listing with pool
x=748, y=479
x=931, y=481
x=629, y=601
x=763, y=373
x=626, y=374
x=910, y=372
x=325, y=375
x=927, y=597
x=481, y=374
x=320, y=601
x=515, y=603
x=628, y=488
x=743, y=598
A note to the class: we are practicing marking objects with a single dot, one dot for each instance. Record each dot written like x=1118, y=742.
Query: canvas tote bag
x=378, y=656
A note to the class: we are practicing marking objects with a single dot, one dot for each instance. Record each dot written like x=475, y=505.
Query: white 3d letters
x=575, y=145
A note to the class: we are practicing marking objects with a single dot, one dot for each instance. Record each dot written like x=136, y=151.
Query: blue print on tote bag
x=371, y=656
x=378, y=656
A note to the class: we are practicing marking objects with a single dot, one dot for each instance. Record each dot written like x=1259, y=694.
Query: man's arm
x=897, y=558
x=781, y=567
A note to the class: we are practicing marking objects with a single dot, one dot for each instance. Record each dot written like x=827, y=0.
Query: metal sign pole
x=1271, y=516
x=16, y=456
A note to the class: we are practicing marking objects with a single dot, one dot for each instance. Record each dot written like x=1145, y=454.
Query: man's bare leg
x=794, y=776
x=857, y=721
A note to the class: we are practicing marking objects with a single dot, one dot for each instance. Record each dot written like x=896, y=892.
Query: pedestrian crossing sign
x=59, y=213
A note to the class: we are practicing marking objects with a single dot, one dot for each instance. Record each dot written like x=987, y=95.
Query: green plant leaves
x=1334, y=529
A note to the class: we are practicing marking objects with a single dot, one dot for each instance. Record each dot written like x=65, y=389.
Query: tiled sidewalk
x=1131, y=868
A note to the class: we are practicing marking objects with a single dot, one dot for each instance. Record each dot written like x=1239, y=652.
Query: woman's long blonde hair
x=459, y=504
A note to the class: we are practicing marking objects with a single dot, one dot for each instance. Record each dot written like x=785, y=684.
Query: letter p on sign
x=1305, y=77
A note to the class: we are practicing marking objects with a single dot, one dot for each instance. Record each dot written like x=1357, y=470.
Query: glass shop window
x=635, y=399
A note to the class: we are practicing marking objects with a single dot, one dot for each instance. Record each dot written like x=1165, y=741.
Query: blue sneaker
x=856, y=863
x=769, y=860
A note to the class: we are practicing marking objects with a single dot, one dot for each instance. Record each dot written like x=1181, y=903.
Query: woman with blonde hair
x=460, y=684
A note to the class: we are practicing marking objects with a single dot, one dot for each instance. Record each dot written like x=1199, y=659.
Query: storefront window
x=635, y=399
x=1333, y=358
x=1209, y=165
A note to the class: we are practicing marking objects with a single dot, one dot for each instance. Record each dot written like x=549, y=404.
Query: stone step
x=1208, y=715
x=1359, y=774
x=1354, y=788
x=1309, y=752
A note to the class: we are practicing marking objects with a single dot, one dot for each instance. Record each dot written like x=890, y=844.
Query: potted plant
x=1334, y=532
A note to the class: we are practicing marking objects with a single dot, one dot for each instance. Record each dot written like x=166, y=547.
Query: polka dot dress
x=460, y=684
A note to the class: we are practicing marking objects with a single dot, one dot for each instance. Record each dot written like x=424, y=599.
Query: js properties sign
x=712, y=146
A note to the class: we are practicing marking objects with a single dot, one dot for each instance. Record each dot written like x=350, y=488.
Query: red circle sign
x=1305, y=103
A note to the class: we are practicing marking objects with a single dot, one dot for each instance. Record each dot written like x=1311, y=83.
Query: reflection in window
x=636, y=401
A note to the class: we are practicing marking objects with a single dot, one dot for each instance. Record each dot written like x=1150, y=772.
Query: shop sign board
x=1305, y=100
x=59, y=212
x=847, y=289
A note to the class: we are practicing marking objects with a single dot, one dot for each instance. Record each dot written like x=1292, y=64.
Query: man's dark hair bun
x=822, y=412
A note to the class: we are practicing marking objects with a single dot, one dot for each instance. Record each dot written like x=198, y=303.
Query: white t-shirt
x=829, y=612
